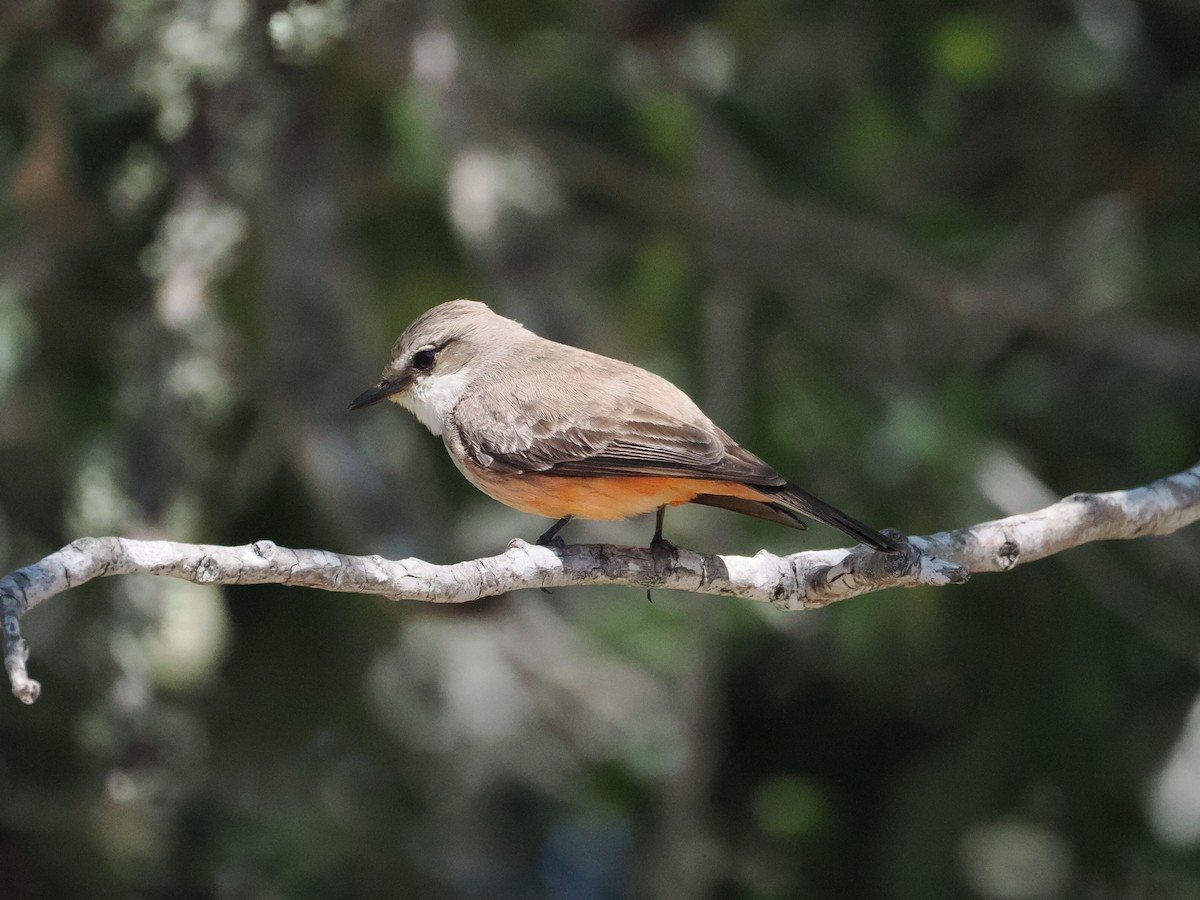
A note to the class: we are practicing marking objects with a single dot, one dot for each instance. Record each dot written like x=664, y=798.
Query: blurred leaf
x=1074, y=65
x=867, y=141
x=789, y=806
x=1161, y=441
x=418, y=157
x=665, y=128
x=969, y=48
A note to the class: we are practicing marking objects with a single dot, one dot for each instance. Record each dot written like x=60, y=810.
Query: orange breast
x=555, y=496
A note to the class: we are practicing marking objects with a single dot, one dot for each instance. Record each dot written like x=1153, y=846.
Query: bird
x=564, y=433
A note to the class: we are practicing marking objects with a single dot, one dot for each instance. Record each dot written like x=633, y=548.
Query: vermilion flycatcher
x=562, y=432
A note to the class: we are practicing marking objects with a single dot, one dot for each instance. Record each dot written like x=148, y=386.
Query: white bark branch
x=801, y=581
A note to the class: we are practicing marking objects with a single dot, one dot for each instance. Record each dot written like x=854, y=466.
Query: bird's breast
x=594, y=496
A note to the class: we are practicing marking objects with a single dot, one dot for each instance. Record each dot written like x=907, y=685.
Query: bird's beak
x=381, y=391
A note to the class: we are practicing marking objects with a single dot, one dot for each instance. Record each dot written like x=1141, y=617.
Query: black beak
x=381, y=391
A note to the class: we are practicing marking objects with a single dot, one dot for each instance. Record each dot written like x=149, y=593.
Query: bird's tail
x=791, y=499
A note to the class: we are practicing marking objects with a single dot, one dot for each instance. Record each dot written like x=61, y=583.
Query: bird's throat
x=432, y=399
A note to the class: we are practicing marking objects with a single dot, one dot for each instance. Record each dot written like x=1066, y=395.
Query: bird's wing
x=641, y=425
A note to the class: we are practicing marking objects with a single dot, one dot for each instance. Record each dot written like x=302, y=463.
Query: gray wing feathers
x=639, y=425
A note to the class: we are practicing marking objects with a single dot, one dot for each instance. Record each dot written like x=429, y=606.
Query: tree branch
x=801, y=581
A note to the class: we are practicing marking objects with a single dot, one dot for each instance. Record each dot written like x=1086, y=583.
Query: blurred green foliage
x=936, y=261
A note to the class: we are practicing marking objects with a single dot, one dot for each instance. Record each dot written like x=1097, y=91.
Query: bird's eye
x=423, y=360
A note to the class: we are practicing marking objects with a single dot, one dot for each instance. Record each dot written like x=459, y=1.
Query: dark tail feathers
x=791, y=499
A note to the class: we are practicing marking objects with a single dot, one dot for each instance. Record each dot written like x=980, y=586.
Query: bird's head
x=433, y=362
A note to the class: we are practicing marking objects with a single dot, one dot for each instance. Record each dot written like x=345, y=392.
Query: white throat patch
x=433, y=398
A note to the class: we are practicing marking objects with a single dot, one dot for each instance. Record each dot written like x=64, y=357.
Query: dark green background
x=937, y=261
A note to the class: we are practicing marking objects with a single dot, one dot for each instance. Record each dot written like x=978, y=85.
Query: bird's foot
x=660, y=544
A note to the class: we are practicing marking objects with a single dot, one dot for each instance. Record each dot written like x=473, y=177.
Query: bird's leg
x=658, y=539
x=549, y=534
x=658, y=542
